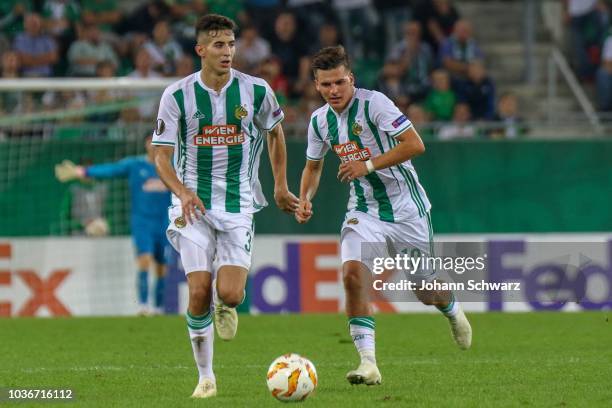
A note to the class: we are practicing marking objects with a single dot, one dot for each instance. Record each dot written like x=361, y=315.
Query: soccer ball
x=291, y=377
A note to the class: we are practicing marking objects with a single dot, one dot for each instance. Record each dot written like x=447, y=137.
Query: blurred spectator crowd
x=590, y=27
x=420, y=53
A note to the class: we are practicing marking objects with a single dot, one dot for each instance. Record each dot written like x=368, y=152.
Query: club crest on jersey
x=356, y=129
x=353, y=221
x=219, y=135
x=350, y=151
x=180, y=222
x=240, y=112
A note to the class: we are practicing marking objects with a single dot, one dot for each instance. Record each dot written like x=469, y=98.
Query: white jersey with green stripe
x=218, y=138
x=368, y=128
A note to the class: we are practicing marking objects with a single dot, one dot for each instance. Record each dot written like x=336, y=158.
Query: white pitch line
x=402, y=362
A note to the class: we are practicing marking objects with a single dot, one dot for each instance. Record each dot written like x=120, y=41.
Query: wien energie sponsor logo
x=350, y=151
x=219, y=135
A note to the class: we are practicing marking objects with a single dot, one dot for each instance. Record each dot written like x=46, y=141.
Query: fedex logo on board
x=42, y=290
x=303, y=280
x=548, y=277
x=300, y=284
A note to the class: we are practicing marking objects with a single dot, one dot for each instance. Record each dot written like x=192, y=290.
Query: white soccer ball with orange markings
x=291, y=377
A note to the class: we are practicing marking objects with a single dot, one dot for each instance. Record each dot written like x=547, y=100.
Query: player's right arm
x=189, y=199
x=165, y=137
x=311, y=175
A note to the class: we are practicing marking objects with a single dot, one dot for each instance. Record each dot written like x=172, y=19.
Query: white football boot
x=144, y=311
x=205, y=389
x=367, y=373
x=461, y=330
x=225, y=317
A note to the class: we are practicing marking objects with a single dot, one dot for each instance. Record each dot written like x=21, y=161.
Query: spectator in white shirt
x=251, y=49
x=461, y=128
x=163, y=49
x=85, y=54
x=143, y=69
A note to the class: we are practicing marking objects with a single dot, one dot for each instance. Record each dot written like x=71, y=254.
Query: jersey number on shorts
x=247, y=246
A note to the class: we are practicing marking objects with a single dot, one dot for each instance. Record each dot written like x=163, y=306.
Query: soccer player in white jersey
x=208, y=139
x=375, y=143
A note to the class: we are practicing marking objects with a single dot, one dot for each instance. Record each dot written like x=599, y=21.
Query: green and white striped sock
x=451, y=309
x=362, y=331
x=202, y=336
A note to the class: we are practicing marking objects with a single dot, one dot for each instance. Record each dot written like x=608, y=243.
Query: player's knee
x=199, y=296
x=351, y=278
x=231, y=297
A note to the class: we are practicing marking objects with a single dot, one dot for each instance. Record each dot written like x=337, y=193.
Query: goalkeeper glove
x=67, y=171
x=98, y=227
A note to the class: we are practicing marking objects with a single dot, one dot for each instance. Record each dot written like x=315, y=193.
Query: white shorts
x=216, y=239
x=364, y=237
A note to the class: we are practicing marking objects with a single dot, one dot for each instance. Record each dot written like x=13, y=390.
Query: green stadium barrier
x=480, y=187
x=474, y=186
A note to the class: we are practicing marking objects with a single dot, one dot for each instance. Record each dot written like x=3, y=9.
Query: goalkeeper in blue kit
x=148, y=219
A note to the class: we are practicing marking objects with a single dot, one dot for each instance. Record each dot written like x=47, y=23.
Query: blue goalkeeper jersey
x=150, y=197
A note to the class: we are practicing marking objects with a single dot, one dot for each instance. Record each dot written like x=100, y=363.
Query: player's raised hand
x=190, y=204
x=286, y=200
x=67, y=171
x=304, y=212
x=352, y=170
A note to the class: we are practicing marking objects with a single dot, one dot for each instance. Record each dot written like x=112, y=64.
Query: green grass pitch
x=533, y=360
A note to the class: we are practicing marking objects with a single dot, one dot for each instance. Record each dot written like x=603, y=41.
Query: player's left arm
x=390, y=120
x=410, y=145
x=269, y=118
x=277, y=150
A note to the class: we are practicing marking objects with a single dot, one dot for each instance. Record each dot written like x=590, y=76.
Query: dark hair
x=330, y=58
x=214, y=22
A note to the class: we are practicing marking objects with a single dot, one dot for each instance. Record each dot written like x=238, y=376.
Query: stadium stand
x=415, y=39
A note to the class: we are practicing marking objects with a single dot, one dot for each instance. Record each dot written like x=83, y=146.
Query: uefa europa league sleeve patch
x=160, y=126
